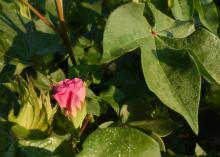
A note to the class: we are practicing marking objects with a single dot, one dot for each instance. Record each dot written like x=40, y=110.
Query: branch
x=85, y=123
x=37, y=13
x=64, y=32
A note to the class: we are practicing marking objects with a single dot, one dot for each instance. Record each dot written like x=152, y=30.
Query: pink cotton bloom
x=70, y=95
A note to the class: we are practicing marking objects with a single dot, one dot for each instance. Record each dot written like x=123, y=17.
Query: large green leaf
x=181, y=81
x=208, y=14
x=205, y=48
x=125, y=26
x=118, y=142
x=177, y=84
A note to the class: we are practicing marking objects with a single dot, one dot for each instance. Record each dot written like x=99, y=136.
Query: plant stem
x=64, y=32
x=37, y=13
x=85, y=123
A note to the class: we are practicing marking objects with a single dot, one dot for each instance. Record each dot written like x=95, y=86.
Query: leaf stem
x=85, y=123
x=64, y=31
x=37, y=13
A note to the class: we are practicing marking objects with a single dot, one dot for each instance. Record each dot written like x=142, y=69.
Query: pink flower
x=70, y=95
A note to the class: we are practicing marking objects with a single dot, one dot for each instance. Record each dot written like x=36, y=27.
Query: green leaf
x=208, y=14
x=131, y=107
x=176, y=84
x=182, y=9
x=166, y=26
x=162, y=127
x=112, y=96
x=50, y=8
x=115, y=142
x=106, y=124
x=205, y=47
x=125, y=26
x=199, y=151
x=160, y=71
x=23, y=10
x=81, y=114
x=49, y=144
x=41, y=81
x=93, y=106
x=58, y=75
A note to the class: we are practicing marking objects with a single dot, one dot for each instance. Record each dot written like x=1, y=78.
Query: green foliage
x=150, y=67
x=161, y=73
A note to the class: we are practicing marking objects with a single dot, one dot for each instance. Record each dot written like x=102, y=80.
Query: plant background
x=33, y=56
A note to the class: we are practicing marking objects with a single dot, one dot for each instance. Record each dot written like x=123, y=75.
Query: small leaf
x=49, y=144
x=162, y=127
x=112, y=96
x=116, y=142
x=106, y=124
x=58, y=75
x=93, y=107
x=41, y=81
x=199, y=151
x=81, y=114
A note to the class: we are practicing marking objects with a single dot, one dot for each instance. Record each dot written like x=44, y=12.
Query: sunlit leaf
x=112, y=142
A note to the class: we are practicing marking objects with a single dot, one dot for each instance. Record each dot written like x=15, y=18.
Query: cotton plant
x=114, y=78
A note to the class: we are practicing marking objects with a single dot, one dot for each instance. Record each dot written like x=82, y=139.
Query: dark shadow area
x=28, y=43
